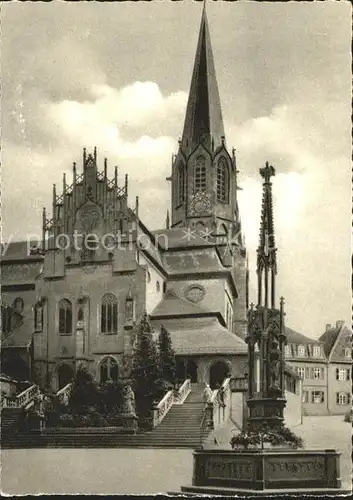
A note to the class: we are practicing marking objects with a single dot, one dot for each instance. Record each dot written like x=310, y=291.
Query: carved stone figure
x=129, y=401
x=274, y=368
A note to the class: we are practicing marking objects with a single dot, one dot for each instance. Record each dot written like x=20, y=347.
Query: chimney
x=339, y=324
x=328, y=327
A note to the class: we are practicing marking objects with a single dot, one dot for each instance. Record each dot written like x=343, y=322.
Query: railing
x=64, y=394
x=162, y=408
x=172, y=397
x=202, y=426
x=21, y=400
x=221, y=406
x=182, y=393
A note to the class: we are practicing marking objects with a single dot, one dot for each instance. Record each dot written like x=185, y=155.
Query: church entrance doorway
x=191, y=370
x=186, y=368
x=65, y=375
x=218, y=372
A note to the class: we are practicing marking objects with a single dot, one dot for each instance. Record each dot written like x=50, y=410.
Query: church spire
x=203, y=120
x=266, y=252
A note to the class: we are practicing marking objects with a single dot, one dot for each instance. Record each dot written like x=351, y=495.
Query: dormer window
x=301, y=351
x=200, y=175
x=316, y=351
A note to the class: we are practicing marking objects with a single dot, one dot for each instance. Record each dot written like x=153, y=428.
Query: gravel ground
x=137, y=471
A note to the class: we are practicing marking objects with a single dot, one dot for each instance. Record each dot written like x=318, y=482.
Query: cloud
x=115, y=120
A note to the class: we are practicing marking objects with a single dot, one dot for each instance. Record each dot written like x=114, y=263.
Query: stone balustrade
x=182, y=393
x=162, y=408
x=172, y=397
x=64, y=394
x=21, y=400
x=221, y=407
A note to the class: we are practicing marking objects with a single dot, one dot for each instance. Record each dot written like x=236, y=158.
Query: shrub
x=279, y=435
x=112, y=396
x=85, y=392
x=66, y=420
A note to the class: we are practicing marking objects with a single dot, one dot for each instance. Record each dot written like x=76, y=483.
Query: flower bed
x=267, y=437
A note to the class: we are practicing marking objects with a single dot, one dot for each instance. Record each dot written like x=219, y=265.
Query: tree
x=167, y=360
x=145, y=372
x=85, y=392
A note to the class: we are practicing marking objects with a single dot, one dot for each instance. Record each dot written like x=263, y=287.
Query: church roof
x=203, y=113
x=19, y=250
x=192, y=336
x=182, y=237
x=172, y=305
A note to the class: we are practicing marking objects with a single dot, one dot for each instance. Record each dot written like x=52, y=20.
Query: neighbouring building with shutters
x=324, y=364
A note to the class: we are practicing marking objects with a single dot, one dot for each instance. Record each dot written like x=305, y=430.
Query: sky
x=117, y=76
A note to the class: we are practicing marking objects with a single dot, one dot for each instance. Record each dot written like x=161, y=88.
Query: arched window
x=200, y=183
x=108, y=369
x=181, y=184
x=109, y=314
x=222, y=181
x=65, y=317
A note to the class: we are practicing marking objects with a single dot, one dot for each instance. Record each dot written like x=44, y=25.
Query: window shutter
x=337, y=374
x=311, y=372
x=347, y=374
x=337, y=397
x=348, y=397
x=307, y=373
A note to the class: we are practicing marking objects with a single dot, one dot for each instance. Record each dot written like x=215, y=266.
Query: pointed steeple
x=266, y=252
x=203, y=120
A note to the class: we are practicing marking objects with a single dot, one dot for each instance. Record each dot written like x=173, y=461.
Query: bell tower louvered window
x=200, y=183
x=222, y=181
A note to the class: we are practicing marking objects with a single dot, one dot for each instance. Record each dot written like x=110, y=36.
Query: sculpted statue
x=129, y=401
x=274, y=368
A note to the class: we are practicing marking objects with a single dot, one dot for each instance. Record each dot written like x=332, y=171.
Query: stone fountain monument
x=281, y=467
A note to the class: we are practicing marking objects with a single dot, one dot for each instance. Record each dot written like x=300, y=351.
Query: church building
x=76, y=297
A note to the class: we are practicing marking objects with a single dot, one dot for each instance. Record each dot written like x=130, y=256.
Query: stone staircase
x=180, y=428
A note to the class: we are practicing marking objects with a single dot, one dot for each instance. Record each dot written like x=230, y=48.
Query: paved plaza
x=137, y=471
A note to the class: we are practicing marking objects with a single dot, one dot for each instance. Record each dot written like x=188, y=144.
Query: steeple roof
x=203, y=120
